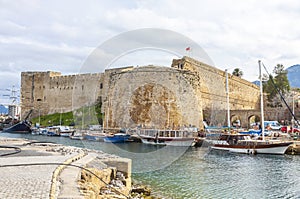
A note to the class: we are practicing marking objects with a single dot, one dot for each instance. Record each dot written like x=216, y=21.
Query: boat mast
x=227, y=96
x=261, y=102
x=60, y=116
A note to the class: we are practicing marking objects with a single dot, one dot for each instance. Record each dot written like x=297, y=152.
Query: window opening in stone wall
x=82, y=87
x=101, y=85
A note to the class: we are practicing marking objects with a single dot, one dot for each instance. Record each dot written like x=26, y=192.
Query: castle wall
x=49, y=92
x=243, y=95
x=152, y=96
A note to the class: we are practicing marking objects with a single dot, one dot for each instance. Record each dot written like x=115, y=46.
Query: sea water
x=179, y=172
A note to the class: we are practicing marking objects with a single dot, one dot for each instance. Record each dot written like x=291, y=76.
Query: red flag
x=188, y=48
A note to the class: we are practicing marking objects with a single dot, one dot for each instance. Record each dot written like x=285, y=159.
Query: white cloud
x=59, y=35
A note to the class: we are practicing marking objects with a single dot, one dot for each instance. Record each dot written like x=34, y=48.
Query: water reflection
x=178, y=172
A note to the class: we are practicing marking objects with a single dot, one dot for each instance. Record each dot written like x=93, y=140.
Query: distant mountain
x=3, y=109
x=293, y=76
x=256, y=82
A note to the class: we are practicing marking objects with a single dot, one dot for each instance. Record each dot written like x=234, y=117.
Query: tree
x=237, y=72
x=281, y=83
x=281, y=79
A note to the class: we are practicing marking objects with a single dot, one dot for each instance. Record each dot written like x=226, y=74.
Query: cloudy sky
x=41, y=35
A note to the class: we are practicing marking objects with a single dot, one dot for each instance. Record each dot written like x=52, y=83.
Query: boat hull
x=278, y=148
x=65, y=134
x=22, y=127
x=94, y=137
x=167, y=141
x=117, y=138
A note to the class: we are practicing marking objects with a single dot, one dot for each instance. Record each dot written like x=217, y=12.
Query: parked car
x=272, y=125
x=284, y=129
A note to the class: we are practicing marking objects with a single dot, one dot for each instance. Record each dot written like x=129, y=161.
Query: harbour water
x=178, y=172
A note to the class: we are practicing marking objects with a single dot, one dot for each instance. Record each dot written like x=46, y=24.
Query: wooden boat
x=21, y=127
x=241, y=143
x=166, y=137
x=117, y=138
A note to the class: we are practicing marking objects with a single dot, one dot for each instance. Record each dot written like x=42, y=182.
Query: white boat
x=35, y=131
x=241, y=143
x=65, y=131
x=43, y=131
x=166, y=137
x=77, y=135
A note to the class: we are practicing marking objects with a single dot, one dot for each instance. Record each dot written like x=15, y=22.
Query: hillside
x=293, y=75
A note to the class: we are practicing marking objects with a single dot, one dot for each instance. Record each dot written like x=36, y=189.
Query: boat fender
x=251, y=151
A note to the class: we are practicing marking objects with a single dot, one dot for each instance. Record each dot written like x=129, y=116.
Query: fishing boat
x=242, y=143
x=117, y=138
x=166, y=137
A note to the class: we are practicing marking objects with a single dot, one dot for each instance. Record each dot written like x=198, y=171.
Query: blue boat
x=52, y=131
x=94, y=136
x=117, y=138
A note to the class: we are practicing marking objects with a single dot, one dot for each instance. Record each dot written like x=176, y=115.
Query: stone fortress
x=184, y=94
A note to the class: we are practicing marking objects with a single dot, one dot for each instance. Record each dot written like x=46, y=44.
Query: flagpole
x=188, y=50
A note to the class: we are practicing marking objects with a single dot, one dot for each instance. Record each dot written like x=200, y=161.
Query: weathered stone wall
x=50, y=92
x=243, y=95
x=152, y=96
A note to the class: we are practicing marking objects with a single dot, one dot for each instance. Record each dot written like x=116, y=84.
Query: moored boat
x=77, y=135
x=21, y=127
x=166, y=137
x=35, y=131
x=241, y=143
x=117, y=138
x=52, y=131
x=94, y=135
x=65, y=131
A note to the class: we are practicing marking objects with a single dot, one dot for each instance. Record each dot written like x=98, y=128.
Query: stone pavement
x=24, y=182
x=48, y=181
x=27, y=181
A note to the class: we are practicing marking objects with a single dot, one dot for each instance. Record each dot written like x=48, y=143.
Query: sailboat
x=241, y=143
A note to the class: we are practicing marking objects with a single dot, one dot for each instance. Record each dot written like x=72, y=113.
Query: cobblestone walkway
x=27, y=182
